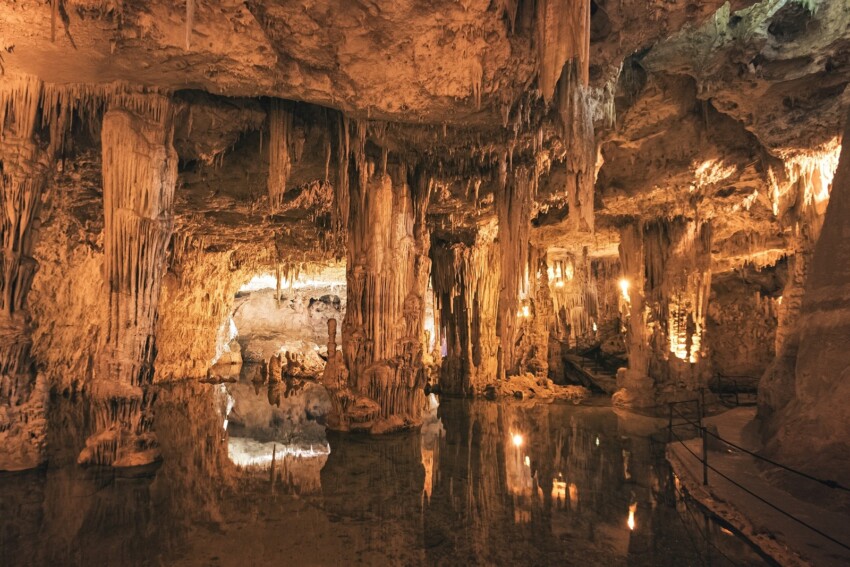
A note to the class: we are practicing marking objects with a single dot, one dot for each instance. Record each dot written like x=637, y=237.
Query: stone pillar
x=811, y=430
x=666, y=285
x=139, y=176
x=383, y=329
x=634, y=383
x=24, y=167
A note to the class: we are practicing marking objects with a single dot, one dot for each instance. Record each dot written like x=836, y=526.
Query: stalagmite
x=810, y=430
x=139, y=176
x=24, y=169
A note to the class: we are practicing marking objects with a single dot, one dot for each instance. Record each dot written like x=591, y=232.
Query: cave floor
x=483, y=483
x=784, y=539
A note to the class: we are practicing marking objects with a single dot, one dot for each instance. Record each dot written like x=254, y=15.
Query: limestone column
x=24, y=168
x=139, y=176
x=383, y=330
x=634, y=383
x=665, y=287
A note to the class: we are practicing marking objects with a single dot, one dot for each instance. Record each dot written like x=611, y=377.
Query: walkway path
x=779, y=536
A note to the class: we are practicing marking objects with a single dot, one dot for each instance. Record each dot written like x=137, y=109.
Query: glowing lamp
x=517, y=439
x=631, y=520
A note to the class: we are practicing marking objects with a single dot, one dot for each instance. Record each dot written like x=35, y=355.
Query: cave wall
x=809, y=431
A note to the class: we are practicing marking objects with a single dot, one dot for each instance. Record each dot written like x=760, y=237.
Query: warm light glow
x=624, y=288
x=517, y=439
x=527, y=461
x=559, y=490
x=559, y=283
x=525, y=312
x=247, y=452
x=595, y=328
x=573, y=494
x=631, y=521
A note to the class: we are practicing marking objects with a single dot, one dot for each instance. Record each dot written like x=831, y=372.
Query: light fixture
x=624, y=288
x=517, y=439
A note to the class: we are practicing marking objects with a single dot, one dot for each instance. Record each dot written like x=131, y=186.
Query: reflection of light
x=518, y=440
x=632, y=510
x=573, y=494
x=247, y=452
x=527, y=461
x=624, y=288
x=597, y=441
x=595, y=328
x=559, y=490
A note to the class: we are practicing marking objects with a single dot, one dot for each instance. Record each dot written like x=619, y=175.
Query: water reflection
x=481, y=484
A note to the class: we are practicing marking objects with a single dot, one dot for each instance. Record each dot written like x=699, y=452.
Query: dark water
x=482, y=484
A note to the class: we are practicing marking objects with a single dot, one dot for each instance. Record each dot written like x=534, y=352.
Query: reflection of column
x=469, y=505
x=379, y=479
x=139, y=175
x=23, y=176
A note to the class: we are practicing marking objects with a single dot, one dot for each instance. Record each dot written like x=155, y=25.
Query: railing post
x=701, y=406
x=704, y=457
x=670, y=424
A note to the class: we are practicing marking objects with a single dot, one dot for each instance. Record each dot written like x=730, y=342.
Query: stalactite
x=341, y=193
x=574, y=295
x=574, y=107
x=563, y=33
x=190, y=21
x=280, y=164
x=139, y=176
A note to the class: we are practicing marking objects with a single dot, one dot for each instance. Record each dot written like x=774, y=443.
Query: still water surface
x=483, y=483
